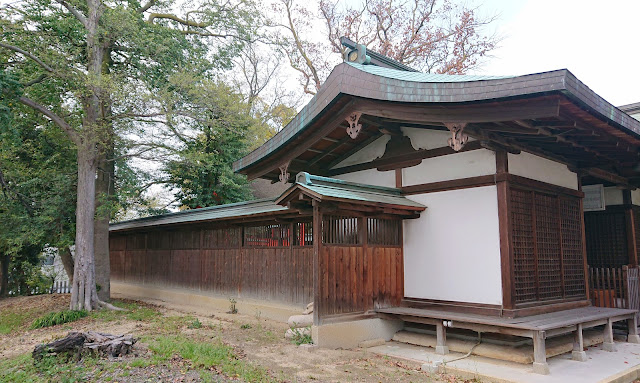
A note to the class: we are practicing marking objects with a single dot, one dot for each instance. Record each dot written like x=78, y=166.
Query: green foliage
x=195, y=324
x=245, y=326
x=207, y=355
x=58, y=317
x=218, y=123
x=301, y=336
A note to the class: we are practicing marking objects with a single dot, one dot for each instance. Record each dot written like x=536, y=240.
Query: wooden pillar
x=540, y=365
x=441, y=339
x=585, y=265
x=632, y=325
x=317, y=242
x=578, y=345
x=632, y=241
x=506, y=256
x=608, y=344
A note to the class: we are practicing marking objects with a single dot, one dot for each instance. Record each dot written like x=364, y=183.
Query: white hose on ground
x=470, y=351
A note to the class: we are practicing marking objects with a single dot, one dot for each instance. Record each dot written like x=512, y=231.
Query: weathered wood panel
x=213, y=260
x=357, y=279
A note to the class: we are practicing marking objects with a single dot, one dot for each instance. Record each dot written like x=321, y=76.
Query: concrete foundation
x=202, y=303
x=351, y=334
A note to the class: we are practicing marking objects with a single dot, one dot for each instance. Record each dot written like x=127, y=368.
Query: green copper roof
x=419, y=76
x=228, y=211
x=331, y=188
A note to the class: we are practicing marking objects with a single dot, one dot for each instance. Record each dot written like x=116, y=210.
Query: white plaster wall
x=635, y=197
x=367, y=154
x=460, y=165
x=427, y=138
x=452, y=252
x=538, y=168
x=613, y=196
x=371, y=177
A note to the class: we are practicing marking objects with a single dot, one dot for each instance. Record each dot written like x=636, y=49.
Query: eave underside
x=549, y=125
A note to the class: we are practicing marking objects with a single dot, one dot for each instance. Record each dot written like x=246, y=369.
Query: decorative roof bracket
x=458, y=137
x=354, y=127
x=284, y=174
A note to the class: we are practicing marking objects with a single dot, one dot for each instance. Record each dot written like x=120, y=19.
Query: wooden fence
x=615, y=287
x=63, y=287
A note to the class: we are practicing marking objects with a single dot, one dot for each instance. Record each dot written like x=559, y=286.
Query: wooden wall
x=358, y=278
x=360, y=265
x=213, y=260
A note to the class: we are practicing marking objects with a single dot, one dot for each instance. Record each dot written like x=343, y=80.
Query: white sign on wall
x=593, y=197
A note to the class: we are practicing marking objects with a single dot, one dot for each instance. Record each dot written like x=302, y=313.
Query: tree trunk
x=67, y=262
x=104, y=190
x=83, y=294
x=4, y=272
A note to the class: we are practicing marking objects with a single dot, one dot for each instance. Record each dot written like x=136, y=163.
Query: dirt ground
x=257, y=340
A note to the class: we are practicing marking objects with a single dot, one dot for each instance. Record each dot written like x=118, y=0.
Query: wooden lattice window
x=606, y=233
x=221, y=238
x=303, y=234
x=572, y=250
x=383, y=231
x=275, y=235
x=547, y=246
x=340, y=230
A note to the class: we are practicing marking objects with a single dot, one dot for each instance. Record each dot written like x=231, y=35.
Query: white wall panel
x=367, y=154
x=452, y=252
x=538, y=168
x=371, y=177
x=444, y=168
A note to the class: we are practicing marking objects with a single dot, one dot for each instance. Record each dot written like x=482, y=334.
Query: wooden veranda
x=537, y=327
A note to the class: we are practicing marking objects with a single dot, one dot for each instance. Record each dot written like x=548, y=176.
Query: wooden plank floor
x=541, y=322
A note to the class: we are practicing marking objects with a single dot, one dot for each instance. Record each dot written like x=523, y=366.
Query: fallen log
x=80, y=343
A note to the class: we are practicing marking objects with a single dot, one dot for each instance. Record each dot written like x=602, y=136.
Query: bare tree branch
x=29, y=55
x=169, y=16
x=73, y=135
x=146, y=7
x=37, y=80
x=79, y=16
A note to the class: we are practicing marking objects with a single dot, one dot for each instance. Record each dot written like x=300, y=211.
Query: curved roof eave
x=383, y=84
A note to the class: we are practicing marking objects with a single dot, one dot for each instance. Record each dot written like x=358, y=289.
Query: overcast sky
x=598, y=41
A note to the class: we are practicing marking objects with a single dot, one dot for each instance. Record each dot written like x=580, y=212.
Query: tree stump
x=79, y=343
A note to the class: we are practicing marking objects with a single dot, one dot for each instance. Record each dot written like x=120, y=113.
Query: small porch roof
x=326, y=189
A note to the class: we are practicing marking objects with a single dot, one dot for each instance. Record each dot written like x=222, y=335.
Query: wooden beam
x=410, y=157
x=470, y=113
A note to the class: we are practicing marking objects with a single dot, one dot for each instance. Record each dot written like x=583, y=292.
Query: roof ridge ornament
x=357, y=55
x=354, y=127
x=458, y=137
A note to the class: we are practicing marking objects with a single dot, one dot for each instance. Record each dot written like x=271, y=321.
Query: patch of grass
x=58, y=317
x=11, y=321
x=133, y=312
x=245, y=326
x=195, y=324
x=208, y=355
x=23, y=369
x=301, y=336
